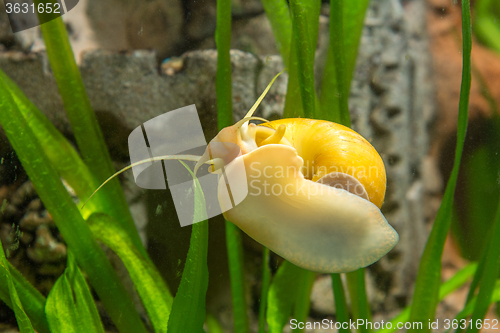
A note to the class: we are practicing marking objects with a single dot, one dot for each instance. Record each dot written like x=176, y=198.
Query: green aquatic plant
x=46, y=155
x=486, y=25
x=425, y=299
x=224, y=119
x=472, y=218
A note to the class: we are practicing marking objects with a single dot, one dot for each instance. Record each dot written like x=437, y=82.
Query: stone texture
x=391, y=105
x=123, y=25
x=322, y=303
x=6, y=34
x=129, y=88
x=46, y=248
x=169, y=27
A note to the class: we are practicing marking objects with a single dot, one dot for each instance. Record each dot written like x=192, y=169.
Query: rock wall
x=392, y=104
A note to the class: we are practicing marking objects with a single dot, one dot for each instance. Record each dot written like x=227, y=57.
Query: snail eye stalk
x=276, y=137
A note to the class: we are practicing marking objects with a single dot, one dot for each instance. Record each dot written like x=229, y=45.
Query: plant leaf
x=293, y=101
x=22, y=318
x=303, y=301
x=59, y=151
x=426, y=295
x=282, y=295
x=223, y=75
x=346, y=25
x=353, y=22
x=213, y=325
x=359, y=301
x=33, y=301
x=70, y=306
x=485, y=25
x=341, y=310
x=489, y=276
x=457, y=281
x=305, y=18
x=82, y=118
x=279, y=15
x=188, y=308
x=225, y=119
x=154, y=293
x=469, y=308
x=66, y=216
x=266, y=281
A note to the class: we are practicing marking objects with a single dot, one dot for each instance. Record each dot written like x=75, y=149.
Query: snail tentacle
x=276, y=137
x=261, y=97
x=193, y=158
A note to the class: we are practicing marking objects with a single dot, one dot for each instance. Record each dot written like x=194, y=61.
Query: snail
x=315, y=189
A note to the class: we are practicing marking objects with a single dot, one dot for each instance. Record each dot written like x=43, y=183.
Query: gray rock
x=201, y=21
x=6, y=34
x=128, y=87
x=391, y=105
x=46, y=249
x=254, y=35
x=123, y=25
x=322, y=296
x=32, y=220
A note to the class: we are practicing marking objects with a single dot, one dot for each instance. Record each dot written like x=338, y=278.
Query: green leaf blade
x=266, y=282
x=70, y=306
x=305, y=23
x=282, y=295
x=151, y=287
x=224, y=119
x=429, y=274
x=305, y=49
x=353, y=22
x=457, y=281
x=359, y=300
x=341, y=310
x=82, y=118
x=489, y=276
x=22, y=318
x=223, y=75
x=279, y=15
x=346, y=25
x=188, y=308
x=33, y=302
x=303, y=300
x=67, y=216
x=470, y=306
